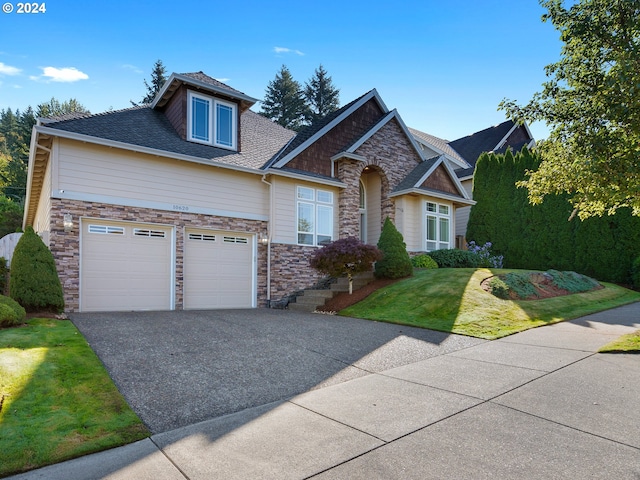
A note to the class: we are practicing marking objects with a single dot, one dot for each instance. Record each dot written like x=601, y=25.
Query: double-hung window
x=438, y=226
x=314, y=216
x=211, y=121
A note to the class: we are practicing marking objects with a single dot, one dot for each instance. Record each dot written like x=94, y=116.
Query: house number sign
x=181, y=208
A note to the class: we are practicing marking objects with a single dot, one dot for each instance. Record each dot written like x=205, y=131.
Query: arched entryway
x=370, y=205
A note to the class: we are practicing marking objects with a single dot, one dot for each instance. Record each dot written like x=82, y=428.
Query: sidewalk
x=538, y=404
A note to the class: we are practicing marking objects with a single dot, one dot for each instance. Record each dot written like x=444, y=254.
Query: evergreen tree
x=34, y=281
x=395, y=262
x=158, y=79
x=284, y=101
x=321, y=95
x=53, y=108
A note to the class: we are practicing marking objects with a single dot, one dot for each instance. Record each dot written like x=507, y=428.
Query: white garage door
x=125, y=266
x=218, y=270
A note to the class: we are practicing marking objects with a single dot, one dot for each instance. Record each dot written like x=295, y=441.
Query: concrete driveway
x=396, y=403
x=178, y=368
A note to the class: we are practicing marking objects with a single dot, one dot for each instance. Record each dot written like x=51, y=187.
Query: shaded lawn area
x=452, y=300
x=57, y=400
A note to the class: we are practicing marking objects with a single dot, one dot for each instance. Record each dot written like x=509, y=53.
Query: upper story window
x=211, y=121
x=315, y=216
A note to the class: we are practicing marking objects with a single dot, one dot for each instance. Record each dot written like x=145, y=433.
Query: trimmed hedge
x=635, y=273
x=539, y=237
x=423, y=261
x=455, y=258
x=34, y=281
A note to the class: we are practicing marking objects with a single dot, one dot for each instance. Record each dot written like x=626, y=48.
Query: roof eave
x=435, y=194
x=306, y=178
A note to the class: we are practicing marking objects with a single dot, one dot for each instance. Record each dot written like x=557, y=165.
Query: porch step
x=311, y=299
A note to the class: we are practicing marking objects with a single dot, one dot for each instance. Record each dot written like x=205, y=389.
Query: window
x=438, y=226
x=106, y=230
x=314, y=216
x=211, y=121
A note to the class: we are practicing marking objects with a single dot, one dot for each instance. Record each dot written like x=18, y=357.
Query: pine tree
x=284, y=101
x=158, y=78
x=321, y=95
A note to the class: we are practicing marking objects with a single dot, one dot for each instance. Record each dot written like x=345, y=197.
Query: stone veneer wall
x=65, y=246
x=290, y=270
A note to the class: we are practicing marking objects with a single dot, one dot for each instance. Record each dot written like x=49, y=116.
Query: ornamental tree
x=395, y=262
x=591, y=102
x=346, y=256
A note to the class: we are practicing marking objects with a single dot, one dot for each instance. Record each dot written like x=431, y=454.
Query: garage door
x=218, y=270
x=125, y=266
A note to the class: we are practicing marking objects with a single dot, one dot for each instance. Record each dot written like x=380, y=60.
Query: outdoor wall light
x=67, y=221
x=264, y=240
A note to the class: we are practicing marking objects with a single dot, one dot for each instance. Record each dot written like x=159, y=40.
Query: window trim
x=438, y=217
x=316, y=207
x=212, y=117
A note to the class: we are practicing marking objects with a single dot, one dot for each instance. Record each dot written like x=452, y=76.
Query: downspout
x=269, y=216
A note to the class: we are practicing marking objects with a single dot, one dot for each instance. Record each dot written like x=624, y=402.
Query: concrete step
x=311, y=299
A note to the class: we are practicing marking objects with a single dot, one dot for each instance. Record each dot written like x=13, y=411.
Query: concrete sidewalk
x=538, y=404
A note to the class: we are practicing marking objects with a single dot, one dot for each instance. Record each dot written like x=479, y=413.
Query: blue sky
x=445, y=65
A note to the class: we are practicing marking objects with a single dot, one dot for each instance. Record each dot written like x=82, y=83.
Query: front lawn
x=625, y=344
x=452, y=300
x=56, y=400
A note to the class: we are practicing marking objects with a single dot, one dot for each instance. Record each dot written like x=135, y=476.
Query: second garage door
x=218, y=270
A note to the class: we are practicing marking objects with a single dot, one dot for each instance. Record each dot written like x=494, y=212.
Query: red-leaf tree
x=347, y=256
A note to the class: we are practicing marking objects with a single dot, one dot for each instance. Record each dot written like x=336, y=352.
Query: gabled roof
x=413, y=183
x=487, y=140
x=201, y=81
x=145, y=127
x=440, y=145
x=315, y=131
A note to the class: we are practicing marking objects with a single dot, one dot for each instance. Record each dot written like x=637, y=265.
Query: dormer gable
x=203, y=110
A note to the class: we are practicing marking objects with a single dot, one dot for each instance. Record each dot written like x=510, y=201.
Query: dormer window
x=211, y=121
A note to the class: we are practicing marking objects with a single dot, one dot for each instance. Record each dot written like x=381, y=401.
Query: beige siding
x=102, y=171
x=413, y=225
x=42, y=221
x=374, y=207
x=284, y=208
x=462, y=214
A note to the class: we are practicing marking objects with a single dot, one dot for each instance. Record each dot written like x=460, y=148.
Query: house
x=197, y=202
x=463, y=153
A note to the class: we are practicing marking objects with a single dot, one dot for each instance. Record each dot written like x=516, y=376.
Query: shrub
x=346, y=256
x=499, y=288
x=485, y=258
x=635, y=273
x=571, y=281
x=395, y=262
x=34, y=281
x=423, y=261
x=11, y=312
x=455, y=258
x=4, y=272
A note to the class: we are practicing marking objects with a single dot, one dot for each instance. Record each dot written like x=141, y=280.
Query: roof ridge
x=66, y=117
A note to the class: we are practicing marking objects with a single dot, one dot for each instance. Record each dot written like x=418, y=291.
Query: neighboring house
x=463, y=153
x=197, y=202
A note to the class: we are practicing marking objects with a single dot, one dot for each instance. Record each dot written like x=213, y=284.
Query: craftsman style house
x=196, y=202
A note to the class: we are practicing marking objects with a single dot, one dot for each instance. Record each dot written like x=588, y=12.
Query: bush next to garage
x=395, y=262
x=33, y=280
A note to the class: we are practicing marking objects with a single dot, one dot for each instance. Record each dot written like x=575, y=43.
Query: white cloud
x=133, y=68
x=66, y=74
x=287, y=50
x=223, y=80
x=8, y=70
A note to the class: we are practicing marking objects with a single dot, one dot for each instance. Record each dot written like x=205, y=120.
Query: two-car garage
x=132, y=266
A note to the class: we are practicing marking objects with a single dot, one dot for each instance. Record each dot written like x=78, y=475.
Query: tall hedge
x=541, y=236
x=395, y=262
x=33, y=279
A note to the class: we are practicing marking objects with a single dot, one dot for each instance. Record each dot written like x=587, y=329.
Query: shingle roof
x=261, y=139
x=472, y=146
x=440, y=143
x=416, y=174
x=204, y=78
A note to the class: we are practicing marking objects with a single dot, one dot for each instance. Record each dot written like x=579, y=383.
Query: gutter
x=269, y=214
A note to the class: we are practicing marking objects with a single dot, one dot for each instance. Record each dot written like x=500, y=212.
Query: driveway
x=178, y=368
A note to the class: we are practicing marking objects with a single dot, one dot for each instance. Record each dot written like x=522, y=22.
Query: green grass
x=58, y=402
x=626, y=343
x=452, y=300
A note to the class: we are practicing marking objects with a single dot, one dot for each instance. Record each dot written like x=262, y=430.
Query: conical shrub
x=395, y=262
x=33, y=279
